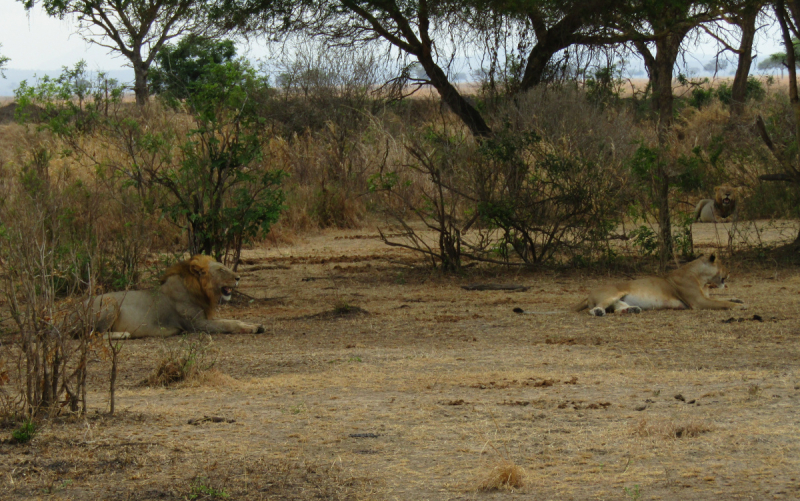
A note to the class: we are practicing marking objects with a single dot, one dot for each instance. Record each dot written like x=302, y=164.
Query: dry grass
x=391, y=405
x=503, y=475
x=670, y=428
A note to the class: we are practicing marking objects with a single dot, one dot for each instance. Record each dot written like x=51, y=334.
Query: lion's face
x=216, y=279
x=725, y=196
x=711, y=271
x=718, y=280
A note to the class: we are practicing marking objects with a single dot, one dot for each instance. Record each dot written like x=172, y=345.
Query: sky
x=38, y=43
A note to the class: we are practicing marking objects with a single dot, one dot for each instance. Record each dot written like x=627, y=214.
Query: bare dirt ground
x=432, y=386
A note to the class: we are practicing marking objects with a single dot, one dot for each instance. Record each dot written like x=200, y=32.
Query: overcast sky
x=36, y=42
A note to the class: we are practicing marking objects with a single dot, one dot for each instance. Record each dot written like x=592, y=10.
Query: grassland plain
x=429, y=388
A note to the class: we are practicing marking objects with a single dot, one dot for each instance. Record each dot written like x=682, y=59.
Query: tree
x=743, y=15
x=137, y=29
x=778, y=59
x=788, y=14
x=223, y=193
x=547, y=27
x=3, y=61
x=411, y=27
x=179, y=68
x=663, y=26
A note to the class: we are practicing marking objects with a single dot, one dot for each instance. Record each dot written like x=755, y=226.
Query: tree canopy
x=136, y=29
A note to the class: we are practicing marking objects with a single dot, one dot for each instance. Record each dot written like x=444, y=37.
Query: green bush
x=25, y=432
x=181, y=68
x=754, y=90
x=701, y=97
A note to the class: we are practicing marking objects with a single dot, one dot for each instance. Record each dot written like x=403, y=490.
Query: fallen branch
x=211, y=419
x=495, y=287
x=253, y=298
x=780, y=177
x=266, y=267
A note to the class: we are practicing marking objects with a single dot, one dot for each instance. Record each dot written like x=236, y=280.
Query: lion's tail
x=558, y=312
x=581, y=306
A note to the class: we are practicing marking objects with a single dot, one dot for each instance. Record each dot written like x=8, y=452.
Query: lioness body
x=684, y=288
x=185, y=302
x=723, y=205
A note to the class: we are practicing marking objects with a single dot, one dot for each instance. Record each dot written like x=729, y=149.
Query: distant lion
x=723, y=205
x=682, y=289
x=186, y=301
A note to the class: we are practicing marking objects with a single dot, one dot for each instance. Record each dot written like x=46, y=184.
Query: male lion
x=723, y=205
x=185, y=302
x=684, y=288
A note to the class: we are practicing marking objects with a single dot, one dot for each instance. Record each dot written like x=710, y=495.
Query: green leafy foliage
x=701, y=97
x=644, y=239
x=3, y=61
x=201, y=489
x=70, y=103
x=754, y=90
x=224, y=195
x=25, y=433
x=182, y=68
x=604, y=88
x=211, y=180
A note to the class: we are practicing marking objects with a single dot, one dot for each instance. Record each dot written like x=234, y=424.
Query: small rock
x=641, y=407
x=680, y=397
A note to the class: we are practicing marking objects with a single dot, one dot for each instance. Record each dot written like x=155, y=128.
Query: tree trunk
x=471, y=117
x=140, y=82
x=739, y=90
x=791, y=62
x=113, y=378
x=792, y=66
x=660, y=69
x=538, y=60
x=549, y=41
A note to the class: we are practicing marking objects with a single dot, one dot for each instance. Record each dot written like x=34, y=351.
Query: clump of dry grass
x=668, y=428
x=191, y=362
x=503, y=475
x=171, y=373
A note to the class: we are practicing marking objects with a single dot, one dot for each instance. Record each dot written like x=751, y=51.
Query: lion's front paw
x=597, y=312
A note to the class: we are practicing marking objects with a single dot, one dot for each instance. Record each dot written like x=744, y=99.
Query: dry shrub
x=49, y=250
x=670, y=429
x=503, y=475
x=606, y=136
x=329, y=172
x=189, y=362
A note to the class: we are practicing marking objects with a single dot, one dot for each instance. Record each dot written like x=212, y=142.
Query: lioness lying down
x=185, y=302
x=684, y=288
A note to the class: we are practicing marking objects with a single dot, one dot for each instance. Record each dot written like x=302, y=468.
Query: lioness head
x=710, y=270
x=725, y=197
x=206, y=279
